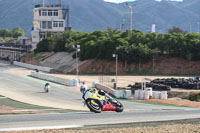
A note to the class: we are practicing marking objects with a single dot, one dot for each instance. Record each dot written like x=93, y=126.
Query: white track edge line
x=40, y=128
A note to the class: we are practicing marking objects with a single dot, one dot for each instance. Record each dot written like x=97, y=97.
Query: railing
x=40, y=5
x=13, y=46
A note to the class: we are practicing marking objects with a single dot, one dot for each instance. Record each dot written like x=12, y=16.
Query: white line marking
x=3, y=97
x=39, y=110
x=40, y=128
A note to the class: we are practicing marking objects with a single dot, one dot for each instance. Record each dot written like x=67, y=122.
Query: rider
x=47, y=87
x=88, y=92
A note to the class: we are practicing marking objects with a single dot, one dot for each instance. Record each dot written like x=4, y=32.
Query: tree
x=46, y=45
x=110, y=32
x=5, y=33
x=175, y=29
x=17, y=32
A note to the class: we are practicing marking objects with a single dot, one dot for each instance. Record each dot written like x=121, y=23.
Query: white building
x=48, y=21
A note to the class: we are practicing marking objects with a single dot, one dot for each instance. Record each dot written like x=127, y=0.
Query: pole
x=131, y=17
x=131, y=21
x=59, y=3
x=116, y=69
x=43, y=2
x=190, y=27
x=76, y=62
x=199, y=27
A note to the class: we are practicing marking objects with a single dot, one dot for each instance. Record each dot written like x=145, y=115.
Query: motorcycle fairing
x=108, y=107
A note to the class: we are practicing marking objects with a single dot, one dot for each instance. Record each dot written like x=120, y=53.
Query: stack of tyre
x=168, y=83
x=157, y=86
x=190, y=83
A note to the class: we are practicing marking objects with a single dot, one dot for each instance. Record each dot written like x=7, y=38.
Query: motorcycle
x=100, y=101
x=47, y=87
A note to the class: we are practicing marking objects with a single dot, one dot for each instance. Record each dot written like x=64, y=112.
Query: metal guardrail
x=41, y=5
x=13, y=46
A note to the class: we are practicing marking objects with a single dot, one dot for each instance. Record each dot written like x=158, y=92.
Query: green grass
x=16, y=104
x=36, y=56
x=142, y=124
x=40, y=57
x=194, y=96
x=14, y=113
x=20, y=105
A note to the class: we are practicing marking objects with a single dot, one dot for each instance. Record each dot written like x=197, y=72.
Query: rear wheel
x=94, y=105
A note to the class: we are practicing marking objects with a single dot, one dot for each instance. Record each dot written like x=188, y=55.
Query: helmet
x=83, y=88
x=101, y=92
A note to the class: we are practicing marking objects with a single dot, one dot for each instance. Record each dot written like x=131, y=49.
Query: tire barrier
x=190, y=83
x=47, y=77
x=167, y=84
x=154, y=86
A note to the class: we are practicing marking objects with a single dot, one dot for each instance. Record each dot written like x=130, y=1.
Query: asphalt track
x=29, y=90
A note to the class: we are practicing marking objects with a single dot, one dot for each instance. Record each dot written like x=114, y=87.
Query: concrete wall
x=105, y=88
x=30, y=66
x=48, y=77
x=64, y=62
x=117, y=93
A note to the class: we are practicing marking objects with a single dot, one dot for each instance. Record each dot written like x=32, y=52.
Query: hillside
x=162, y=66
x=64, y=63
x=90, y=15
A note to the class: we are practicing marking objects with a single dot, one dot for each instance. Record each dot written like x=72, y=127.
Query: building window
x=49, y=25
x=50, y=13
x=44, y=24
x=55, y=24
x=58, y=24
x=55, y=13
x=39, y=12
x=43, y=35
x=44, y=13
x=61, y=24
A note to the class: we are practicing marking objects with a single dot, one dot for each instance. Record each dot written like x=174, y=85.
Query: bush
x=194, y=96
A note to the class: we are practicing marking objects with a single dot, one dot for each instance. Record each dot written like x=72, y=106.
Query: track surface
x=29, y=90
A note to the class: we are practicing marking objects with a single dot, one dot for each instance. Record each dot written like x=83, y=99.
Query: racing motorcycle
x=98, y=101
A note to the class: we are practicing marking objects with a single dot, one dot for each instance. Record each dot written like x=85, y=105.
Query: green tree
x=5, y=33
x=46, y=45
x=17, y=32
x=175, y=29
x=110, y=32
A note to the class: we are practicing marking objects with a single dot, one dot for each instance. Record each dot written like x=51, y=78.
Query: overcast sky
x=120, y=1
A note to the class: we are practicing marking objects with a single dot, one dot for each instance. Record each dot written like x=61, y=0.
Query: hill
x=161, y=66
x=90, y=15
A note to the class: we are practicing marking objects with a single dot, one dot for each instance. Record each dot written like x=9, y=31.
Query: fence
x=106, y=81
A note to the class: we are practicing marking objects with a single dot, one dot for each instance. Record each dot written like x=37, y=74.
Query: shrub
x=194, y=96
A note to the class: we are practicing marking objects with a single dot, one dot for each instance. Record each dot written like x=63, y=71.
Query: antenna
x=43, y=3
x=59, y=3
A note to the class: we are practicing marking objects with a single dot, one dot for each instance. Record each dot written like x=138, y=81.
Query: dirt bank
x=163, y=65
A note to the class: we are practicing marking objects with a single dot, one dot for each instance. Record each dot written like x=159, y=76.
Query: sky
x=120, y=1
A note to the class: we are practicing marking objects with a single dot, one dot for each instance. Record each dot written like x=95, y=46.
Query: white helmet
x=83, y=89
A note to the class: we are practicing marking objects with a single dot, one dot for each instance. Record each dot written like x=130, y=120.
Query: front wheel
x=119, y=106
x=94, y=105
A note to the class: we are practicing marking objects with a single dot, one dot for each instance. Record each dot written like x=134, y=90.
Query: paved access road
x=30, y=90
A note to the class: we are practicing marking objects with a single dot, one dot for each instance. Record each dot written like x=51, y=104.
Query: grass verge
x=142, y=124
x=29, y=107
